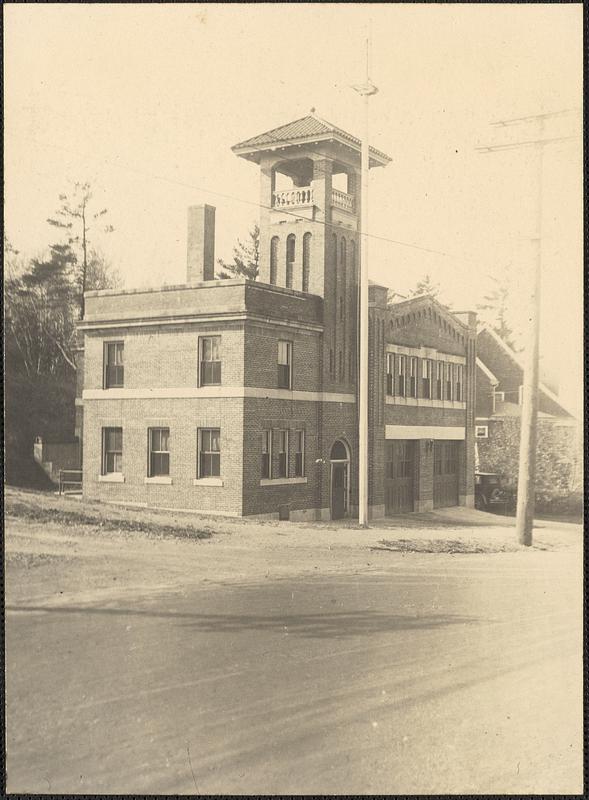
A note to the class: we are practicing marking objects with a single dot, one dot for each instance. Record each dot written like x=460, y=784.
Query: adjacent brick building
x=498, y=424
x=239, y=397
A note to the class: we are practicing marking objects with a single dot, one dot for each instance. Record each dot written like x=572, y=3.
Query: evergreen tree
x=77, y=219
x=246, y=258
x=425, y=285
x=495, y=309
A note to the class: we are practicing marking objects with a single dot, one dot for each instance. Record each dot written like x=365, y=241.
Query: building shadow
x=320, y=625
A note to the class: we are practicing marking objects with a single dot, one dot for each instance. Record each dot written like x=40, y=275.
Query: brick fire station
x=239, y=397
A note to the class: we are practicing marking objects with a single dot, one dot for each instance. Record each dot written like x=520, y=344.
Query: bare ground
x=59, y=546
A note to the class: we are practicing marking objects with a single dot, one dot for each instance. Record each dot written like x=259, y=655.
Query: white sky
x=146, y=100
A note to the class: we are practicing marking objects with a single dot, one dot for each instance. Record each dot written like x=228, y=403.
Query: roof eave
x=245, y=150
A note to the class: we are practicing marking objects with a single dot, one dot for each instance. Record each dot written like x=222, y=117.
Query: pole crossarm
x=548, y=115
x=491, y=148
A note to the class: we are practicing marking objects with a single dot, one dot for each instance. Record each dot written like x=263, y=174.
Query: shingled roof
x=303, y=131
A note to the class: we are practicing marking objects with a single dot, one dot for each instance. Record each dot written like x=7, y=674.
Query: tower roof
x=306, y=130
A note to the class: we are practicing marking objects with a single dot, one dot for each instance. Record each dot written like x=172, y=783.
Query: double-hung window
x=299, y=465
x=390, y=373
x=426, y=378
x=210, y=360
x=209, y=452
x=114, y=370
x=401, y=373
x=285, y=365
x=458, y=381
x=112, y=450
x=159, y=451
x=282, y=450
x=412, y=376
x=266, y=454
x=448, y=381
x=439, y=380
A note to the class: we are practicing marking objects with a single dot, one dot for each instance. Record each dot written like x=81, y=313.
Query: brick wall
x=164, y=357
x=484, y=394
x=510, y=374
x=261, y=356
x=183, y=418
x=323, y=424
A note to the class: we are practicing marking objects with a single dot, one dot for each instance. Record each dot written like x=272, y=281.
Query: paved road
x=427, y=677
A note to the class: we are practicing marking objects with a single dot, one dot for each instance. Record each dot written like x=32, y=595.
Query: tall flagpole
x=365, y=90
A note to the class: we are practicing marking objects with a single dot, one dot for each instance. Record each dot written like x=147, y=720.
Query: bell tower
x=309, y=225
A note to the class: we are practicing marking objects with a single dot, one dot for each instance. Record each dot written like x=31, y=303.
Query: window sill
x=163, y=479
x=112, y=477
x=281, y=481
x=212, y=481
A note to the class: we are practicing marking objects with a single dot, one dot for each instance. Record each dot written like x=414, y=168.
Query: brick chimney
x=200, y=263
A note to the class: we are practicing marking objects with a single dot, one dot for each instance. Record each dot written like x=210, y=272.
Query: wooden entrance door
x=399, y=477
x=339, y=490
x=445, y=474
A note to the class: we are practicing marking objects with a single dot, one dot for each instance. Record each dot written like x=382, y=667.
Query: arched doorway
x=340, y=479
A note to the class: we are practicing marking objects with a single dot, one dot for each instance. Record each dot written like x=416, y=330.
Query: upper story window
x=290, y=259
x=401, y=375
x=306, y=261
x=112, y=450
x=114, y=370
x=458, y=381
x=299, y=466
x=412, y=376
x=448, y=381
x=159, y=451
x=426, y=378
x=274, y=259
x=210, y=360
x=285, y=365
x=439, y=393
x=266, y=454
x=282, y=450
x=209, y=452
x=390, y=373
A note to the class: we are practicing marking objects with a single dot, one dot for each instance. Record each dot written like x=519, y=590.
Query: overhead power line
x=253, y=203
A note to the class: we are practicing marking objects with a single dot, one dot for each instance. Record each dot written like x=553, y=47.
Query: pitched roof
x=487, y=372
x=516, y=360
x=306, y=129
x=421, y=300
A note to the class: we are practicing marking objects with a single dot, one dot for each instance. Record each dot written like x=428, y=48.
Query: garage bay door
x=445, y=474
x=399, y=476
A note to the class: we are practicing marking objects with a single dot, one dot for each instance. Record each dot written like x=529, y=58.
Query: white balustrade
x=299, y=196
x=342, y=200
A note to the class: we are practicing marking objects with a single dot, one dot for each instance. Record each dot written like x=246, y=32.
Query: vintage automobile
x=489, y=494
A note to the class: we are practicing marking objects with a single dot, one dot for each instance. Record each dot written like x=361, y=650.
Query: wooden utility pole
x=529, y=414
x=365, y=90
x=526, y=482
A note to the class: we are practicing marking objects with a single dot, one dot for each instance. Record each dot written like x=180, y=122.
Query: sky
x=146, y=100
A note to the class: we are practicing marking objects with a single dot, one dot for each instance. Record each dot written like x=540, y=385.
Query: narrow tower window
x=290, y=257
x=306, y=261
x=273, y=259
